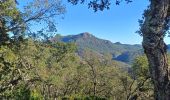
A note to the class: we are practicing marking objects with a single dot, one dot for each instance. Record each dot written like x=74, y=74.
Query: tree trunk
x=153, y=31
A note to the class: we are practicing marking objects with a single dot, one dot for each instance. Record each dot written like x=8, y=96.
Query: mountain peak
x=85, y=34
x=118, y=43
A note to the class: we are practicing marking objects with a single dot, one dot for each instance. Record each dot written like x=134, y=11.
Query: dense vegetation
x=154, y=26
x=36, y=70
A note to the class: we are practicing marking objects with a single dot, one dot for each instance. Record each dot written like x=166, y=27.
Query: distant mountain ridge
x=120, y=52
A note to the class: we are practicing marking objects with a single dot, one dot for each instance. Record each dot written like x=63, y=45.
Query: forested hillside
x=37, y=64
x=117, y=51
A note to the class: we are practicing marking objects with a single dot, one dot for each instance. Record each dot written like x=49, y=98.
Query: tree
x=17, y=22
x=154, y=28
x=14, y=26
x=102, y=76
x=144, y=87
x=153, y=31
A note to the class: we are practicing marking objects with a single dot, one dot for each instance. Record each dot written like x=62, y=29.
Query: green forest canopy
x=32, y=68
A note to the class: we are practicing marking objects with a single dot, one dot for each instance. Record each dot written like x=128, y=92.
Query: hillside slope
x=86, y=41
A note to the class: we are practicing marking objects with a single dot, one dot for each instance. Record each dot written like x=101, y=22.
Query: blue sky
x=118, y=24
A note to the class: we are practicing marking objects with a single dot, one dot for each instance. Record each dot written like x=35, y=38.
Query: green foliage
x=35, y=69
x=21, y=93
x=14, y=22
x=35, y=95
x=31, y=62
x=53, y=70
x=8, y=70
x=141, y=74
x=140, y=67
x=8, y=8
